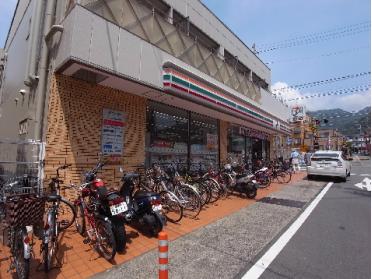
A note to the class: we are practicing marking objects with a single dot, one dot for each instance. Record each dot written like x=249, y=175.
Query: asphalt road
x=224, y=248
x=335, y=240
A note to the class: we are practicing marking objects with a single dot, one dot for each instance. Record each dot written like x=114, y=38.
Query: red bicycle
x=90, y=223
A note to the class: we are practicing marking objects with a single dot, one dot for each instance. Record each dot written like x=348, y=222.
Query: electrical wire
x=318, y=56
x=337, y=29
x=320, y=82
x=332, y=93
x=317, y=38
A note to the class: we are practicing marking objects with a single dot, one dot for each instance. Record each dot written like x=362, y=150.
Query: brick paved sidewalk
x=81, y=261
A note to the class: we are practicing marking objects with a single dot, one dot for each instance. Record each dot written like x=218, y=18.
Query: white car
x=329, y=163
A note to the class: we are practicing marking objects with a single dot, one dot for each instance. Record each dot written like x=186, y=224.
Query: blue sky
x=272, y=21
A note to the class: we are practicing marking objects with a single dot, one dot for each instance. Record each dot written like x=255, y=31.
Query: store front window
x=176, y=135
x=166, y=135
x=203, y=141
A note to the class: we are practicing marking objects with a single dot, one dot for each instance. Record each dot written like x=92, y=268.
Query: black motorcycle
x=144, y=208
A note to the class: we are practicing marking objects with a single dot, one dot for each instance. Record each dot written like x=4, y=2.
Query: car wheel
x=310, y=177
x=343, y=179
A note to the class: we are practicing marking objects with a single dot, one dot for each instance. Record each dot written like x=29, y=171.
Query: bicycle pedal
x=86, y=241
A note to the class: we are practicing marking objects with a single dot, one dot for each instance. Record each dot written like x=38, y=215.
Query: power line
x=321, y=82
x=317, y=38
x=338, y=29
x=332, y=93
x=317, y=56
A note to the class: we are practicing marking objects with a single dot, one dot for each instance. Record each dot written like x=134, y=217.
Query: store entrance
x=256, y=149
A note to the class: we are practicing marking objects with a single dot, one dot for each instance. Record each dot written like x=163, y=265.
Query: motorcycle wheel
x=80, y=219
x=105, y=241
x=251, y=193
x=154, y=224
x=118, y=230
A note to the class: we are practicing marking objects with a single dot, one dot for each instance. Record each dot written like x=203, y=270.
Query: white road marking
x=365, y=174
x=353, y=174
x=260, y=266
x=365, y=184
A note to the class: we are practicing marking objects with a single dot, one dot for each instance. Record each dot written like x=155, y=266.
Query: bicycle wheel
x=66, y=214
x=281, y=177
x=171, y=206
x=49, y=251
x=203, y=192
x=288, y=176
x=263, y=180
x=215, y=189
x=105, y=240
x=49, y=244
x=190, y=200
x=80, y=219
x=22, y=265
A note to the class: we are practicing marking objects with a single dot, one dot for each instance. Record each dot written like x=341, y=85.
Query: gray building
x=170, y=64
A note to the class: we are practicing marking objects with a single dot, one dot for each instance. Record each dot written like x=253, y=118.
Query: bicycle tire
x=49, y=252
x=289, y=174
x=171, y=206
x=49, y=246
x=263, y=180
x=104, y=233
x=190, y=200
x=80, y=217
x=22, y=265
x=203, y=192
x=215, y=190
x=64, y=224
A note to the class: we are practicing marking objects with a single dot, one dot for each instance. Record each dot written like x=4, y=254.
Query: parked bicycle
x=23, y=207
x=91, y=205
x=60, y=215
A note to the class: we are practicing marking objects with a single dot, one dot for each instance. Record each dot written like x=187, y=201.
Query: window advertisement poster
x=212, y=141
x=113, y=132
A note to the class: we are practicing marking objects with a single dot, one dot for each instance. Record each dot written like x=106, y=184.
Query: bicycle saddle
x=53, y=198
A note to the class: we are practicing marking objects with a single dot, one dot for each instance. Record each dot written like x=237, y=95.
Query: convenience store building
x=140, y=81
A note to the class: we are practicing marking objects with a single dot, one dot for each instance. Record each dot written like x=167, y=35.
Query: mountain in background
x=347, y=123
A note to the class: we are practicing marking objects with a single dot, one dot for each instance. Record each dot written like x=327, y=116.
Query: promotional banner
x=113, y=132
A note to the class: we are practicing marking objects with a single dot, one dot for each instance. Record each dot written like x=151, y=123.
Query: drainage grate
x=283, y=202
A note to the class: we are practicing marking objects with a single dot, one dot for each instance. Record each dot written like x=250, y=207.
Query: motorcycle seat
x=238, y=176
x=131, y=175
x=144, y=194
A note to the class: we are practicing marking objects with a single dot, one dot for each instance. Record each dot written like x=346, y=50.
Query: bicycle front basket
x=24, y=210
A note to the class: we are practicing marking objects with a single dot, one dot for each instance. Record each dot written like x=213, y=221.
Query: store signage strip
x=188, y=87
x=176, y=86
x=215, y=97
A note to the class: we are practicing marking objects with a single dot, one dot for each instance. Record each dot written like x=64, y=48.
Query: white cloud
x=349, y=102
